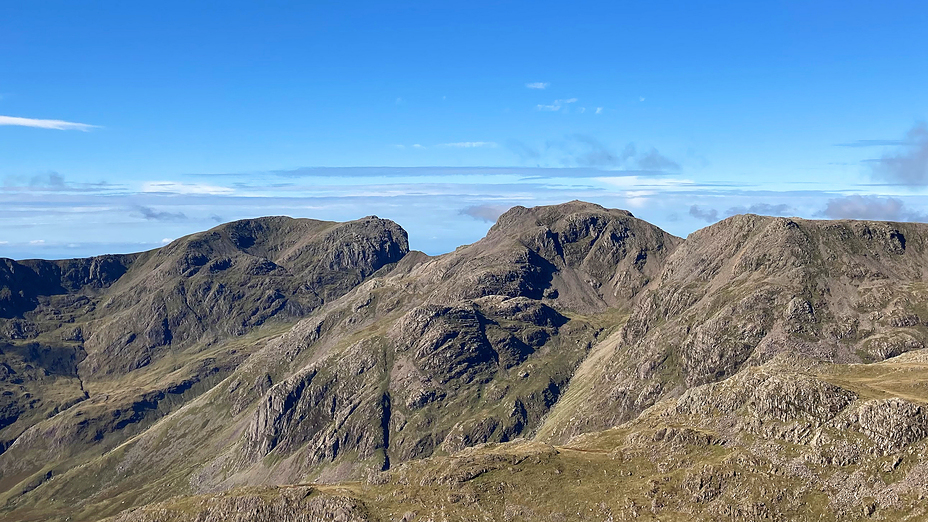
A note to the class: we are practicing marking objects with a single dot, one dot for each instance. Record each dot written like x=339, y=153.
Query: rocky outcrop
x=23, y=283
x=582, y=256
x=739, y=292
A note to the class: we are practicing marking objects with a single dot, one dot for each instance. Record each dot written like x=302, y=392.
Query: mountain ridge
x=336, y=354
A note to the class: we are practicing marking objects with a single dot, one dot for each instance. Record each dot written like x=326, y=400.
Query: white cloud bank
x=45, y=124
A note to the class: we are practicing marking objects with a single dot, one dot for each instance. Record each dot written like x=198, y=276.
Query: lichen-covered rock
x=892, y=424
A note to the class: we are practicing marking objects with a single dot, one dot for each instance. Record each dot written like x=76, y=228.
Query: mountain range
x=577, y=363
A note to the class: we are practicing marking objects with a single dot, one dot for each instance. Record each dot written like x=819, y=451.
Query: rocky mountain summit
x=577, y=363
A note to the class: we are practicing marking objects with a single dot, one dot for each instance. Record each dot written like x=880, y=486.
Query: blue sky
x=125, y=124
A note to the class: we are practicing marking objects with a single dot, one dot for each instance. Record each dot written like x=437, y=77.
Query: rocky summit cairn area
x=577, y=363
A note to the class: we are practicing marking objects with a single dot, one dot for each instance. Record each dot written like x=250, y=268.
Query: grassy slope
x=663, y=466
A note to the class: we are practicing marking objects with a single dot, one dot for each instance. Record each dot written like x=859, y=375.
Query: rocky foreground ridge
x=575, y=364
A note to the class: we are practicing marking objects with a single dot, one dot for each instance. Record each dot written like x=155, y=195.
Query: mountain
x=575, y=363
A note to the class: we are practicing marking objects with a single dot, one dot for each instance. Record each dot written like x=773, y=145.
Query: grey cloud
x=709, y=215
x=598, y=155
x=587, y=151
x=217, y=218
x=49, y=180
x=908, y=165
x=488, y=212
x=764, y=209
x=54, y=182
x=654, y=160
x=870, y=207
x=46, y=181
x=522, y=150
x=155, y=215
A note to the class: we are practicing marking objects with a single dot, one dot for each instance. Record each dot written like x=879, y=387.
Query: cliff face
x=280, y=351
x=115, y=342
x=738, y=293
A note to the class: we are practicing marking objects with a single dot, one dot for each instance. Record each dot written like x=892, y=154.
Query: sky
x=125, y=125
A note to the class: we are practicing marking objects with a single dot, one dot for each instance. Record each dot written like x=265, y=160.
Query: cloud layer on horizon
x=870, y=207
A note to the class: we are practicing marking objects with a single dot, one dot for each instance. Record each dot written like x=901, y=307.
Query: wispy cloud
x=53, y=182
x=45, y=181
x=469, y=144
x=537, y=85
x=525, y=152
x=173, y=187
x=487, y=212
x=155, y=215
x=870, y=207
x=45, y=124
x=587, y=151
x=872, y=143
x=709, y=215
x=556, y=106
x=909, y=164
x=599, y=110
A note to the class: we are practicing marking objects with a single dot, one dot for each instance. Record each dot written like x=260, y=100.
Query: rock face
x=739, y=292
x=119, y=341
x=232, y=279
x=585, y=257
x=278, y=351
x=23, y=283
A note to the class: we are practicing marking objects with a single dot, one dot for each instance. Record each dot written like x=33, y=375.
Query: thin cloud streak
x=872, y=143
x=155, y=215
x=173, y=187
x=469, y=144
x=45, y=124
